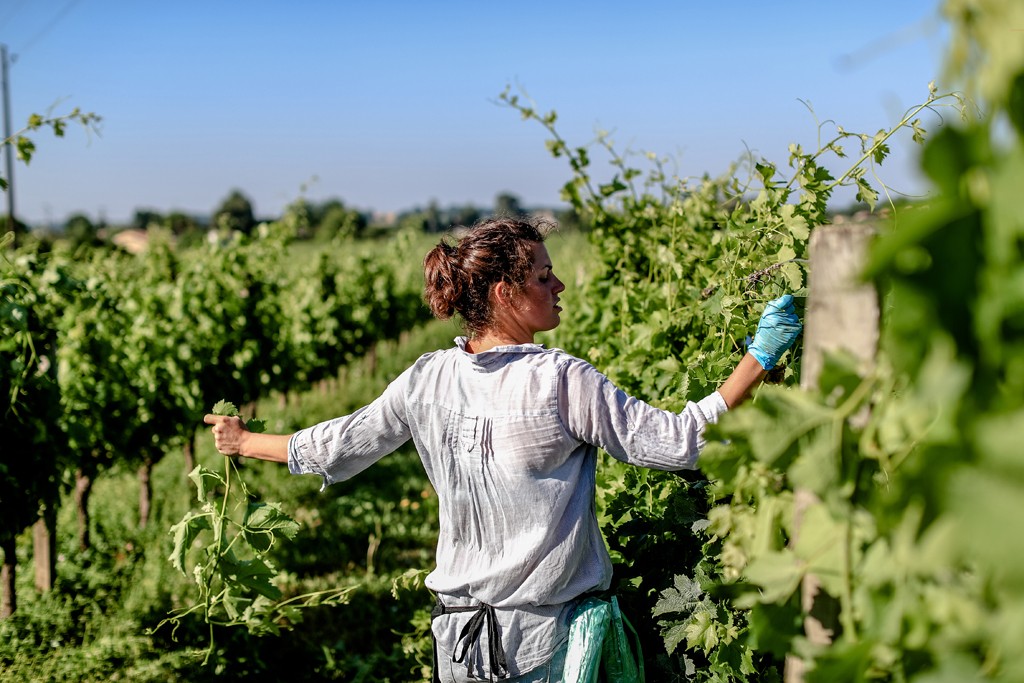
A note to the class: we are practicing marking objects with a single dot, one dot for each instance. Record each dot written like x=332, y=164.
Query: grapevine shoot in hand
x=233, y=436
x=237, y=581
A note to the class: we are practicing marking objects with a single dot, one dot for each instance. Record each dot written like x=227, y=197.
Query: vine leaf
x=199, y=475
x=684, y=597
x=185, y=533
x=820, y=547
x=696, y=622
x=227, y=408
x=702, y=631
x=673, y=636
x=778, y=575
x=264, y=523
x=255, y=574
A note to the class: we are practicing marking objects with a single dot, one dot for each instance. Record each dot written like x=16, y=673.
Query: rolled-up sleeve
x=595, y=411
x=341, y=448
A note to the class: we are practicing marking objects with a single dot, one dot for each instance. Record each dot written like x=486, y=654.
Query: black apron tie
x=470, y=638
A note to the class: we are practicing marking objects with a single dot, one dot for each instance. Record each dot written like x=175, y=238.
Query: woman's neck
x=486, y=341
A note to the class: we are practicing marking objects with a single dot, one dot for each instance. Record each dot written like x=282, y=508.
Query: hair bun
x=441, y=279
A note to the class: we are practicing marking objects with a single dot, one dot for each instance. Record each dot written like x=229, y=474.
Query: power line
x=14, y=10
x=907, y=35
x=49, y=26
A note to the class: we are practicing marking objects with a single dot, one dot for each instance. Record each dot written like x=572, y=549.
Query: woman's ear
x=503, y=294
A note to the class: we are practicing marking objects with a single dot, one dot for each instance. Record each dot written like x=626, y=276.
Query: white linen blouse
x=509, y=440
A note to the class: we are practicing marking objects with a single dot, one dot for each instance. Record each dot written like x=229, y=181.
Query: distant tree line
x=325, y=220
x=434, y=218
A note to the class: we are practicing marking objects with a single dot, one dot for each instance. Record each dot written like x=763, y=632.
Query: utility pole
x=8, y=152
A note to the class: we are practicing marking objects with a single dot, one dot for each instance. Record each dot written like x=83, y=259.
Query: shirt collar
x=506, y=348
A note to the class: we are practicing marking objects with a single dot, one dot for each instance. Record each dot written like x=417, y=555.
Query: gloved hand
x=778, y=329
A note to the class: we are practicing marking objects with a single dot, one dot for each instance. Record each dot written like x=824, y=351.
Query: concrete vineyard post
x=842, y=315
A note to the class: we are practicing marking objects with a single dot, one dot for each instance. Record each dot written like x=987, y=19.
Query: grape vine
x=235, y=574
x=686, y=267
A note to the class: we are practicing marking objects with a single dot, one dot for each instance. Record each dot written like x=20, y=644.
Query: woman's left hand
x=777, y=330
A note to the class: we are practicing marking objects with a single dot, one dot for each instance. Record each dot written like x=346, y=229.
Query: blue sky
x=389, y=105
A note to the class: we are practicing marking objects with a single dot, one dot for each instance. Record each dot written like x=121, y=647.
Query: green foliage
x=906, y=531
x=183, y=226
x=138, y=343
x=340, y=223
x=15, y=231
x=237, y=580
x=234, y=214
x=907, y=471
x=146, y=218
x=911, y=463
x=24, y=146
x=131, y=346
x=32, y=296
x=79, y=230
x=984, y=54
x=507, y=204
x=686, y=266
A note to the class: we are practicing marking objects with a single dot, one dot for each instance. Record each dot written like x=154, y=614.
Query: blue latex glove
x=778, y=329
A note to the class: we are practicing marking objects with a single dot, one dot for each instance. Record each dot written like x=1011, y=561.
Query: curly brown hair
x=458, y=277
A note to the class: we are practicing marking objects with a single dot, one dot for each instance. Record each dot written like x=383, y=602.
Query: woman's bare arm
x=747, y=375
x=232, y=438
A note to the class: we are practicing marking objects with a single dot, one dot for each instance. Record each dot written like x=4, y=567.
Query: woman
x=508, y=432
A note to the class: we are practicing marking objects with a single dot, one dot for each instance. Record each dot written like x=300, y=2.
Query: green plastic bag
x=586, y=637
x=621, y=664
x=598, y=642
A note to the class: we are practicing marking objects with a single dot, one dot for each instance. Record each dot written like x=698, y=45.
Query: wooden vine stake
x=842, y=314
